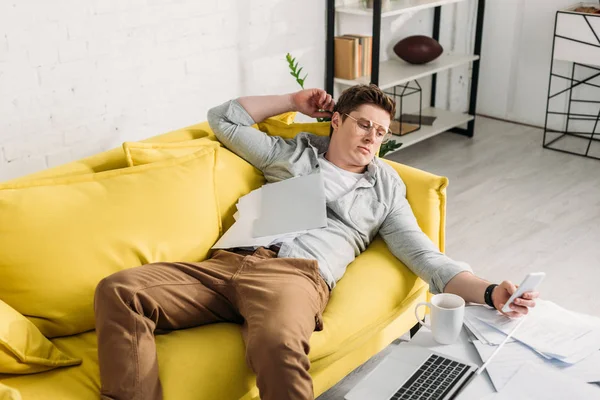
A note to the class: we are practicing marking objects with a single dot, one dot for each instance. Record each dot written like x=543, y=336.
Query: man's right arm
x=232, y=125
x=232, y=121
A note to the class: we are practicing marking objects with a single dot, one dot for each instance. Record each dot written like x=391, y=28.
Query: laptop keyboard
x=433, y=380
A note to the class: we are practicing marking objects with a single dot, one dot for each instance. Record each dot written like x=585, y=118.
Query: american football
x=418, y=49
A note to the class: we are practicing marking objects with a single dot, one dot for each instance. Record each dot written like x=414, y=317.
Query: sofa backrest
x=425, y=192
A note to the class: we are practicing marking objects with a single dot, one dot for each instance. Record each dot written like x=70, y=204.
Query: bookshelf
x=445, y=121
x=391, y=73
x=395, y=8
x=396, y=72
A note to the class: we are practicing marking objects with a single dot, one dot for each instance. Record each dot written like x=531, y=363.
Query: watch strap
x=487, y=296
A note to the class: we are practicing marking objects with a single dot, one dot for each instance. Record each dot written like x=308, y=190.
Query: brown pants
x=279, y=301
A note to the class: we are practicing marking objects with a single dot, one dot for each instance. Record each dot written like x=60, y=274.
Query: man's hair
x=356, y=96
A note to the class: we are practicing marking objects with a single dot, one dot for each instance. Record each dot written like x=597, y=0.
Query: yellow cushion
x=286, y=118
x=278, y=127
x=60, y=237
x=371, y=294
x=200, y=363
x=23, y=348
x=75, y=383
x=8, y=393
x=140, y=153
x=234, y=177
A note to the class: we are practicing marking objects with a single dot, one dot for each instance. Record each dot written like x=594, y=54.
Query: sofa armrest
x=426, y=194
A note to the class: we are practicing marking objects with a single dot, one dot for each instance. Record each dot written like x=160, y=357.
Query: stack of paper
x=550, y=336
x=482, y=331
x=277, y=211
x=291, y=205
x=550, y=330
x=513, y=355
x=533, y=382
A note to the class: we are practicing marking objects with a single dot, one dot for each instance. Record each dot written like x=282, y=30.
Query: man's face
x=349, y=143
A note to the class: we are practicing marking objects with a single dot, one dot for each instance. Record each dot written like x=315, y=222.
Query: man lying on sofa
x=279, y=293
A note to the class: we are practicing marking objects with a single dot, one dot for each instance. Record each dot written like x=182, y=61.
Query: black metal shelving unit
x=377, y=12
x=582, y=75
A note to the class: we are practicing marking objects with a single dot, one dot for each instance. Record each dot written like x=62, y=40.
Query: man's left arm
x=412, y=246
x=409, y=244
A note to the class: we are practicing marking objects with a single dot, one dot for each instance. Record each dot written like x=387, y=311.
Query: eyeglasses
x=365, y=126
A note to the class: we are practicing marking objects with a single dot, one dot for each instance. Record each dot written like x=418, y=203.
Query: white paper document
x=276, y=211
x=551, y=330
x=514, y=355
x=249, y=205
x=291, y=205
x=484, y=332
x=534, y=382
x=240, y=235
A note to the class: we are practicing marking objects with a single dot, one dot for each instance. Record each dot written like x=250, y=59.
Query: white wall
x=79, y=77
x=515, y=62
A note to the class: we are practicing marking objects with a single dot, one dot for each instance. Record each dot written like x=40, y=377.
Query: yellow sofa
x=370, y=307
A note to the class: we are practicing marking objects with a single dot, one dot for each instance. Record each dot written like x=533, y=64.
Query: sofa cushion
x=194, y=364
x=371, y=294
x=23, y=348
x=234, y=177
x=60, y=237
x=76, y=383
x=140, y=153
x=8, y=393
x=287, y=130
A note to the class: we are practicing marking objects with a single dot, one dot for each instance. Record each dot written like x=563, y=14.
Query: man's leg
x=131, y=304
x=282, y=301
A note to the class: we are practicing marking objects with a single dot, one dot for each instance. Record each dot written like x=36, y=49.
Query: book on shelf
x=416, y=119
x=352, y=56
x=403, y=128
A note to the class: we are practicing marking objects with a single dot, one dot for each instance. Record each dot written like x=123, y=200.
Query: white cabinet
x=576, y=37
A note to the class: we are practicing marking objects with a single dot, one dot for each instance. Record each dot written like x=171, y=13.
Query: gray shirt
x=376, y=204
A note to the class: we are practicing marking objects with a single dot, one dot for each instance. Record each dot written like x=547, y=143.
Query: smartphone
x=530, y=282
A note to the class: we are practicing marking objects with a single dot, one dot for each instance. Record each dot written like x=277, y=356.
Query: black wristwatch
x=487, y=296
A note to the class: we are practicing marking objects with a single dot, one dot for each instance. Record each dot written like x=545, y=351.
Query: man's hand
x=519, y=307
x=472, y=289
x=315, y=103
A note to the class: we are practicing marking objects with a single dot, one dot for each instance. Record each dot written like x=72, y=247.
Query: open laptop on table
x=418, y=373
x=414, y=373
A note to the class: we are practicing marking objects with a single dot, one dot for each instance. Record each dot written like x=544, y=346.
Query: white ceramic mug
x=447, y=315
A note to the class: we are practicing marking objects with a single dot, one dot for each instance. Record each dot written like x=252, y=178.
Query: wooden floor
x=514, y=208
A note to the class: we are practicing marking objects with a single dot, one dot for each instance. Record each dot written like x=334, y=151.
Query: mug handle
x=423, y=303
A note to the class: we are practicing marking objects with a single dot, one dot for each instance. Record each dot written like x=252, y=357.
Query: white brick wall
x=79, y=77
